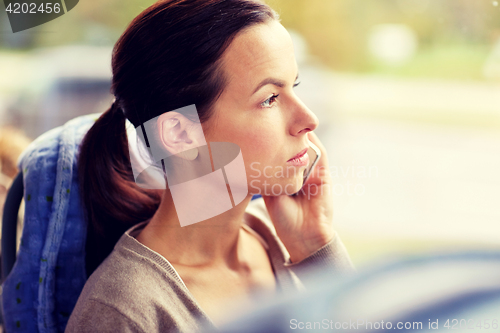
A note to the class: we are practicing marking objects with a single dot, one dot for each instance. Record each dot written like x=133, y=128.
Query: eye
x=296, y=84
x=270, y=101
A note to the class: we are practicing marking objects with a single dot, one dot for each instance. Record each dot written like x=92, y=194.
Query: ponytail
x=111, y=199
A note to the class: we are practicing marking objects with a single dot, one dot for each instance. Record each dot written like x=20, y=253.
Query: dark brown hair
x=167, y=58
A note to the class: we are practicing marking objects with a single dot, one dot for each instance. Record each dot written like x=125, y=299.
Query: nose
x=303, y=120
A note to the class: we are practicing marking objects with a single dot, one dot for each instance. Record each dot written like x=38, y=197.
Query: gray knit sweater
x=137, y=290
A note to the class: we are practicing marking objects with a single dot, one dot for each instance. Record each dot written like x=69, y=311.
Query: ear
x=179, y=135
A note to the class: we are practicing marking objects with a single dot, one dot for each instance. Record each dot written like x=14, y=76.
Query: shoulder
x=135, y=288
x=127, y=272
x=332, y=255
x=111, y=319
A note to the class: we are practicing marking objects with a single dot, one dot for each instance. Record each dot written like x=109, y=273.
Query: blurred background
x=407, y=92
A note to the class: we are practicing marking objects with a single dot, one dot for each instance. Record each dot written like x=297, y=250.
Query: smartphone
x=314, y=156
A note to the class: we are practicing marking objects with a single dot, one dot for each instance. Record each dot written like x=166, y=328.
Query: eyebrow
x=273, y=81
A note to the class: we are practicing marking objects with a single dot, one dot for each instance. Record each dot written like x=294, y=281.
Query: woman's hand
x=304, y=222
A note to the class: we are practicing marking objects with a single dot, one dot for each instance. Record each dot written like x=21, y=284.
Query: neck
x=211, y=242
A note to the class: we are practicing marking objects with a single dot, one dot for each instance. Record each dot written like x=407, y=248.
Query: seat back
x=48, y=275
x=9, y=224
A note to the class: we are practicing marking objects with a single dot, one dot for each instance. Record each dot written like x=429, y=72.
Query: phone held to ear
x=314, y=156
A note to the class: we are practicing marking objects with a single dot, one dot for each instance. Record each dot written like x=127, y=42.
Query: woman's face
x=259, y=111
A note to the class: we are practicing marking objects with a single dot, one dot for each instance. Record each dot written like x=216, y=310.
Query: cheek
x=261, y=143
x=260, y=135
x=261, y=140
x=264, y=160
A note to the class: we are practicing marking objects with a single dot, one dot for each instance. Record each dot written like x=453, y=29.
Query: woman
x=235, y=62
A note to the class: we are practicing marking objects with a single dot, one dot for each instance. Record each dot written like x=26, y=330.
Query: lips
x=301, y=159
x=299, y=155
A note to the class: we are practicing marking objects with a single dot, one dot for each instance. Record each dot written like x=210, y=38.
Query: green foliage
x=456, y=61
x=454, y=35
